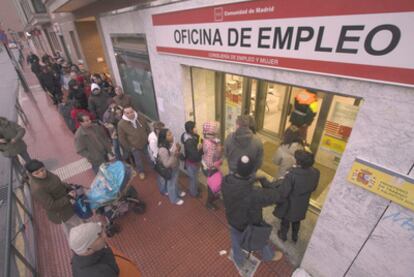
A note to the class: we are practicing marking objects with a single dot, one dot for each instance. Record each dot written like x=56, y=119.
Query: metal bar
x=24, y=260
x=8, y=225
x=22, y=206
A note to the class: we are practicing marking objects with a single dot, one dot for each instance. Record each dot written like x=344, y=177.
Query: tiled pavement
x=167, y=240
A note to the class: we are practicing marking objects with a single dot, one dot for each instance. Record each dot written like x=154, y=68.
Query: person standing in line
x=296, y=186
x=168, y=155
x=212, y=157
x=284, y=156
x=111, y=118
x=193, y=151
x=11, y=140
x=98, y=101
x=244, y=203
x=55, y=196
x=133, y=132
x=92, y=142
x=243, y=142
x=121, y=99
x=79, y=109
x=153, y=151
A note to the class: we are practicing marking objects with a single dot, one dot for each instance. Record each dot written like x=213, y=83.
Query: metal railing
x=20, y=240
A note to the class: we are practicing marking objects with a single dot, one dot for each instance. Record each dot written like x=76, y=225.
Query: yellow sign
x=390, y=185
x=333, y=144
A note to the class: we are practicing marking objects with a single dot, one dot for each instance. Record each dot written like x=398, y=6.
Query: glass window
x=203, y=95
x=75, y=44
x=38, y=6
x=233, y=102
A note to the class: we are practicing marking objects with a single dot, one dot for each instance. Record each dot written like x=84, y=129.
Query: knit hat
x=245, y=166
x=82, y=236
x=94, y=86
x=210, y=128
x=34, y=165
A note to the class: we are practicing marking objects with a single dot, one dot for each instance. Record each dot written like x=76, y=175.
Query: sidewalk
x=167, y=240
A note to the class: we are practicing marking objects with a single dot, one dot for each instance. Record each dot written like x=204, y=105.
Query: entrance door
x=235, y=88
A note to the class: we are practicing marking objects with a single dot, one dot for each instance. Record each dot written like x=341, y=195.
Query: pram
x=111, y=194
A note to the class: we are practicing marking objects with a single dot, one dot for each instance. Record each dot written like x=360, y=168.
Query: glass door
x=234, y=90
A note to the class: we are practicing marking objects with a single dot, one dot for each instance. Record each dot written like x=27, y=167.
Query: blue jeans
x=172, y=187
x=138, y=156
x=162, y=184
x=192, y=170
x=239, y=257
x=117, y=149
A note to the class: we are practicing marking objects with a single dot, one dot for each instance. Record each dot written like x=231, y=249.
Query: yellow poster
x=333, y=144
x=390, y=185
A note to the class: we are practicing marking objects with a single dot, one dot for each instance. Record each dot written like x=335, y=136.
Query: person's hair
x=162, y=138
x=189, y=126
x=292, y=135
x=128, y=107
x=158, y=125
x=304, y=158
x=33, y=165
x=80, y=116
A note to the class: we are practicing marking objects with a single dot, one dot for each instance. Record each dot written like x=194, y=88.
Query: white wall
x=383, y=133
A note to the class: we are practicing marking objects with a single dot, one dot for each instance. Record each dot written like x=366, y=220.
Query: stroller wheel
x=139, y=208
x=111, y=229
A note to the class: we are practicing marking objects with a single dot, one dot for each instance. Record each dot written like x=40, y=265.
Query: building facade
x=357, y=232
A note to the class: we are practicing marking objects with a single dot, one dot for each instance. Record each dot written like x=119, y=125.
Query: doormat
x=249, y=267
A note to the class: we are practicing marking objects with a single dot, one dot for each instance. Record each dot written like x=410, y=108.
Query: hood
x=291, y=149
x=242, y=137
x=94, y=87
x=210, y=128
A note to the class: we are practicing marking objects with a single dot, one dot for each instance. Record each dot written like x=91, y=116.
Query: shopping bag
x=214, y=181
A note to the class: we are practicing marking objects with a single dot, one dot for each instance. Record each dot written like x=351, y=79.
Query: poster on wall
x=369, y=39
x=390, y=185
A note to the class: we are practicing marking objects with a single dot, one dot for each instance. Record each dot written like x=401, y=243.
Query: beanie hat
x=34, y=165
x=245, y=166
x=82, y=236
x=94, y=86
x=210, y=128
x=189, y=126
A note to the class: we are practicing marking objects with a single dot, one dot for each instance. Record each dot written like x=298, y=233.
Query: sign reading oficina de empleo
x=362, y=39
x=390, y=185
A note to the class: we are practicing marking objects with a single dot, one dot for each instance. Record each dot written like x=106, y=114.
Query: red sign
x=361, y=39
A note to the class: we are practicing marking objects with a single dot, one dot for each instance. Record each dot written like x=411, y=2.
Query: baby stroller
x=112, y=194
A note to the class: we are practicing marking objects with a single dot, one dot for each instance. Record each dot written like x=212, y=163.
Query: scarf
x=133, y=121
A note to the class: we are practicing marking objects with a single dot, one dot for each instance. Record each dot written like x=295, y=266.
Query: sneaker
x=142, y=176
x=278, y=255
x=182, y=194
x=180, y=202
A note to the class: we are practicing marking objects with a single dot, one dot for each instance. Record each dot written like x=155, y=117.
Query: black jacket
x=244, y=202
x=296, y=188
x=100, y=264
x=190, y=142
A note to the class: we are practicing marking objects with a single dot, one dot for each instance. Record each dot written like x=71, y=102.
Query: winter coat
x=296, y=188
x=212, y=155
x=52, y=194
x=49, y=81
x=10, y=130
x=100, y=264
x=191, y=151
x=168, y=158
x=123, y=100
x=97, y=104
x=243, y=201
x=285, y=157
x=93, y=143
x=133, y=138
x=243, y=142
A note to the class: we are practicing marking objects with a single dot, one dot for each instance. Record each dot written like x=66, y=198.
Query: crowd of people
x=108, y=127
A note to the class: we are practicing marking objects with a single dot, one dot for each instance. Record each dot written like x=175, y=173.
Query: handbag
x=255, y=236
x=214, y=181
x=164, y=172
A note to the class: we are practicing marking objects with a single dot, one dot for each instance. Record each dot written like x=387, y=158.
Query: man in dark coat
x=243, y=203
x=55, y=196
x=92, y=257
x=11, y=140
x=92, y=142
x=51, y=84
x=98, y=102
x=296, y=187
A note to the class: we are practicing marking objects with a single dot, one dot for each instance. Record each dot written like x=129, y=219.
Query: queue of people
x=108, y=127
